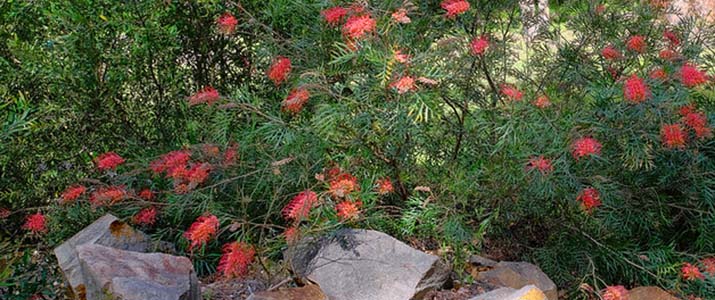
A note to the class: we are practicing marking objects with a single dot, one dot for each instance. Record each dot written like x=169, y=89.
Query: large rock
x=367, y=265
x=520, y=274
x=110, y=273
x=649, y=293
x=107, y=231
x=528, y=292
x=308, y=292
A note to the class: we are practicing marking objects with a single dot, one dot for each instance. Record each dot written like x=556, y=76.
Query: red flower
x=170, y=161
x=109, y=161
x=479, y=45
x=291, y=235
x=673, y=136
x=617, y=292
x=210, y=150
x=658, y=74
x=202, y=230
x=400, y=16
x=146, y=217
x=542, y=102
x=197, y=174
x=295, y=100
x=636, y=43
x=698, y=122
x=384, y=186
x=227, y=23
x=4, y=213
x=236, y=259
x=404, y=85
x=279, y=70
x=231, y=155
x=207, y=95
x=72, y=193
x=333, y=15
x=511, y=92
x=709, y=265
x=671, y=37
x=299, y=207
x=585, y=147
x=357, y=26
x=401, y=58
x=690, y=76
x=541, y=164
x=600, y=9
x=610, y=53
x=686, y=109
x=690, y=272
x=348, y=210
x=590, y=198
x=454, y=7
x=146, y=194
x=667, y=54
x=35, y=223
x=108, y=195
x=343, y=185
x=635, y=89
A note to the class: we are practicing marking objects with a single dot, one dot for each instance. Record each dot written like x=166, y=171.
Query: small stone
x=519, y=274
x=649, y=293
x=308, y=292
x=528, y=292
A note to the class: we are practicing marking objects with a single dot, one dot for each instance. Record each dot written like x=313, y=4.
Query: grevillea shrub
x=588, y=150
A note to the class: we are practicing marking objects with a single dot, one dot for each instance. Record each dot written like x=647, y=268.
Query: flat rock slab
x=107, y=231
x=308, y=292
x=520, y=274
x=367, y=265
x=649, y=293
x=528, y=292
x=110, y=273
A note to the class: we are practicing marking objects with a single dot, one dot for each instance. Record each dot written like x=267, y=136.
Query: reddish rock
x=308, y=292
x=649, y=293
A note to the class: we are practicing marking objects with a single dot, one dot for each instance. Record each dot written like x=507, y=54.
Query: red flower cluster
x=384, y=186
x=202, y=230
x=236, y=259
x=541, y=164
x=673, y=136
x=108, y=195
x=610, y=53
x=617, y=292
x=698, y=122
x=187, y=179
x=357, y=26
x=348, y=210
x=400, y=16
x=454, y=7
x=146, y=194
x=590, y=198
x=170, y=161
x=295, y=100
x=637, y=43
x=542, y=102
x=334, y=15
x=231, y=155
x=72, y=193
x=691, y=272
x=658, y=74
x=279, y=70
x=479, y=45
x=585, y=147
x=109, y=161
x=709, y=265
x=35, y=223
x=291, y=234
x=146, y=217
x=401, y=58
x=227, y=23
x=4, y=213
x=343, y=184
x=690, y=76
x=635, y=89
x=671, y=37
x=299, y=207
x=207, y=95
x=511, y=92
x=404, y=85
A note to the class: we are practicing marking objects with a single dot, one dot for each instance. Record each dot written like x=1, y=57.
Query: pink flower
x=635, y=89
x=400, y=16
x=542, y=102
x=109, y=161
x=479, y=45
x=291, y=235
x=227, y=23
x=35, y=223
x=145, y=217
x=617, y=292
x=637, y=43
x=511, y=92
x=401, y=58
x=691, y=273
x=541, y=164
x=333, y=15
x=667, y=54
x=454, y=7
x=586, y=146
x=207, y=95
x=202, y=230
x=671, y=37
x=590, y=198
x=236, y=259
x=231, y=155
x=404, y=85
x=295, y=100
x=357, y=26
x=299, y=207
x=279, y=70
